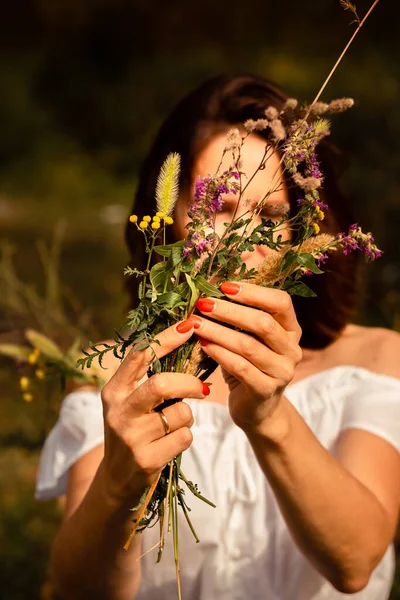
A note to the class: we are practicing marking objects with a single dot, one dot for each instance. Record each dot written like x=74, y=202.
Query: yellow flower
x=133, y=218
x=24, y=383
x=155, y=225
x=40, y=374
x=168, y=220
x=160, y=214
x=156, y=218
x=27, y=397
x=147, y=218
x=33, y=357
x=321, y=215
x=316, y=228
x=143, y=224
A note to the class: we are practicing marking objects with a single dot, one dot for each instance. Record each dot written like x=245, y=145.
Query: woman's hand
x=136, y=445
x=256, y=367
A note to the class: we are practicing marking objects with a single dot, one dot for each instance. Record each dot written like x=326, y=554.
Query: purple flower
x=321, y=260
x=207, y=202
x=357, y=240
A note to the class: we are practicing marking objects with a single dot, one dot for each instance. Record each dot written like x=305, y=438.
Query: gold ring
x=165, y=422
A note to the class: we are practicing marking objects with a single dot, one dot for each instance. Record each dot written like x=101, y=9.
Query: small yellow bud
x=40, y=374
x=155, y=225
x=27, y=397
x=33, y=357
x=321, y=215
x=143, y=224
x=147, y=218
x=316, y=228
x=156, y=218
x=24, y=383
x=168, y=220
x=160, y=214
x=133, y=218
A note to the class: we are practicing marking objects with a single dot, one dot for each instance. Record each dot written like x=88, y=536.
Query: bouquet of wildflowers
x=196, y=266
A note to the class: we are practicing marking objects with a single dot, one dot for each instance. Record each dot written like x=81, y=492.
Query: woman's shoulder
x=375, y=348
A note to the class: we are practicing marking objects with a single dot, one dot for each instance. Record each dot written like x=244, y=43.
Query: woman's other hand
x=136, y=445
x=257, y=367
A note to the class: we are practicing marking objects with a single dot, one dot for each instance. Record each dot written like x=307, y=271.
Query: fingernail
x=184, y=326
x=205, y=305
x=197, y=321
x=230, y=288
x=202, y=341
x=206, y=389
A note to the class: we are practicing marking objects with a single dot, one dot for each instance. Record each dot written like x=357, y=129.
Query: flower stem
x=335, y=66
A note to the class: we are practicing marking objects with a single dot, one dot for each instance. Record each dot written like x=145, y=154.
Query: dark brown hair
x=230, y=100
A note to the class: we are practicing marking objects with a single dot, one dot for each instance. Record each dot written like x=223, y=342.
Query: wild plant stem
x=339, y=60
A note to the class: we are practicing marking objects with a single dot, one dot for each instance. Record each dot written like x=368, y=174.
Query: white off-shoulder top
x=246, y=551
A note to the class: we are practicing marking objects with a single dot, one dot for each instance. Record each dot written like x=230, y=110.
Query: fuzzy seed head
x=167, y=188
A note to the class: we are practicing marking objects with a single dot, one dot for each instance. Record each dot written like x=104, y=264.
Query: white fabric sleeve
x=374, y=405
x=79, y=429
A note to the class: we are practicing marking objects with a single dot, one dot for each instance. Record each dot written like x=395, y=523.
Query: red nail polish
x=185, y=326
x=205, y=305
x=230, y=288
x=206, y=389
x=197, y=321
x=202, y=341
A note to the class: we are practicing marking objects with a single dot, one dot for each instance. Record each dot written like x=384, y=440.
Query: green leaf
x=14, y=351
x=287, y=261
x=194, y=293
x=207, y=288
x=129, y=271
x=306, y=260
x=168, y=248
x=44, y=344
x=240, y=223
x=298, y=288
x=159, y=274
x=183, y=290
x=170, y=299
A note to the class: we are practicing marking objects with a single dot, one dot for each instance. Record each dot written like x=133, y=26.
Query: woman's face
x=252, y=153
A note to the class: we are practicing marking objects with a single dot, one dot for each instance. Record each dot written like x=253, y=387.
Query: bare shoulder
x=379, y=349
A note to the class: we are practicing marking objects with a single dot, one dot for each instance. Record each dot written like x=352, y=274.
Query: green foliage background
x=84, y=87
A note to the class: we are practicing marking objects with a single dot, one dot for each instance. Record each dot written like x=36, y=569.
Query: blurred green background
x=84, y=87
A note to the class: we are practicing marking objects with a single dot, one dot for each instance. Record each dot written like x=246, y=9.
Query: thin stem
x=185, y=512
x=142, y=511
x=194, y=491
x=341, y=57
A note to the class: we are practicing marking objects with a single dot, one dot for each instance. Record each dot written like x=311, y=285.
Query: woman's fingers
x=155, y=456
x=160, y=387
x=275, y=302
x=260, y=323
x=257, y=353
x=153, y=427
x=135, y=364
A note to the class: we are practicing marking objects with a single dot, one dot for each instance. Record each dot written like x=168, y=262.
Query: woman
x=296, y=441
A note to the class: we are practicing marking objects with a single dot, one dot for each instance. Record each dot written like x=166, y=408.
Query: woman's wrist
x=115, y=501
x=274, y=429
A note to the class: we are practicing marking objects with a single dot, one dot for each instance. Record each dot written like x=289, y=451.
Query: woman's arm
x=88, y=557
x=342, y=509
